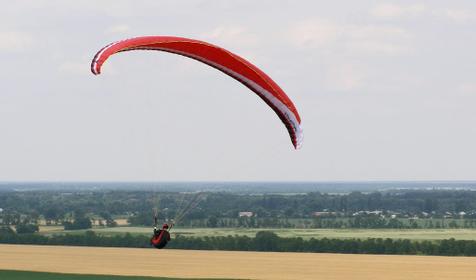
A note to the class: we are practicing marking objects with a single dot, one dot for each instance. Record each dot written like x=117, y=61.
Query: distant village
x=379, y=213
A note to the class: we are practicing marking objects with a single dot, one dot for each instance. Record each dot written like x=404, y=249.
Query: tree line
x=263, y=241
x=222, y=209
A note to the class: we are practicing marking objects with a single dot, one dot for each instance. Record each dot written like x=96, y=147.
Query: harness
x=156, y=239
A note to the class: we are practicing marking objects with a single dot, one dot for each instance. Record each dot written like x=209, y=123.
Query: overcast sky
x=386, y=91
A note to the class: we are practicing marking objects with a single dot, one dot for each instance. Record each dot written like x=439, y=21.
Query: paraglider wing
x=221, y=59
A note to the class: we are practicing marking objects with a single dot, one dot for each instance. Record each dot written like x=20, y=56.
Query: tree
x=6, y=231
x=266, y=241
x=52, y=214
x=142, y=218
x=80, y=222
x=212, y=222
x=430, y=205
x=109, y=220
x=26, y=228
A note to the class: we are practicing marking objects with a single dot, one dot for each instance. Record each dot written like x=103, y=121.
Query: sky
x=386, y=90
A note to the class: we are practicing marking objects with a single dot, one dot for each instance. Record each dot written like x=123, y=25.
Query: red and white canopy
x=221, y=59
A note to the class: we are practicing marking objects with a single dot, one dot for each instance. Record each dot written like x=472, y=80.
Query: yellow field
x=233, y=265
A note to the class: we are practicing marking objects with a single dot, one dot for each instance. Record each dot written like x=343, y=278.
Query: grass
x=413, y=234
x=30, y=275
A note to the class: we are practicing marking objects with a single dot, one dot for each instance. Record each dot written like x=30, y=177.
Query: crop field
x=414, y=234
x=29, y=275
x=231, y=265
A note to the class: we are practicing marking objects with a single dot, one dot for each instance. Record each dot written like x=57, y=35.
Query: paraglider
x=161, y=236
x=221, y=59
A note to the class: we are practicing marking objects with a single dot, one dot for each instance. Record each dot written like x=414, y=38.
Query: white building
x=245, y=214
x=323, y=213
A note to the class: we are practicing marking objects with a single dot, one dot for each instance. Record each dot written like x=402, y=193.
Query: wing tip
x=299, y=138
x=95, y=69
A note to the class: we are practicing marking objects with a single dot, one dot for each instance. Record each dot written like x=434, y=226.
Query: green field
x=413, y=234
x=28, y=275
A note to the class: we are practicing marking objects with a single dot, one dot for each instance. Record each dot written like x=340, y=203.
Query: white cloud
x=345, y=77
x=315, y=33
x=323, y=34
x=457, y=15
x=73, y=67
x=378, y=39
x=389, y=10
x=12, y=41
x=342, y=46
x=232, y=35
x=119, y=29
x=467, y=89
x=393, y=11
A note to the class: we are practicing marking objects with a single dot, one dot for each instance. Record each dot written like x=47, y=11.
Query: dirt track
x=222, y=264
